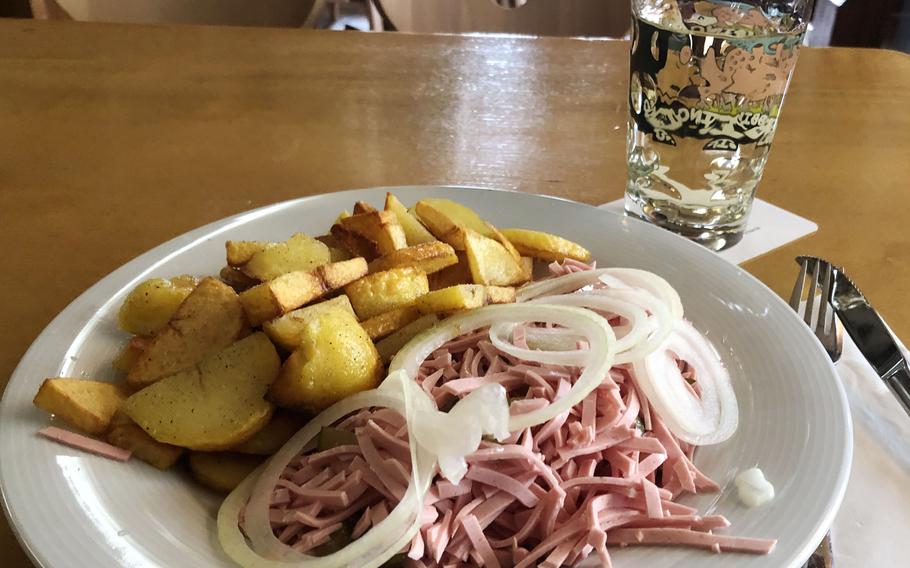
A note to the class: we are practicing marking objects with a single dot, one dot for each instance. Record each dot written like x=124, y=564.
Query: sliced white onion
x=379, y=544
x=649, y=281
x=597, y=359
x=710, y=418
x=501, y=337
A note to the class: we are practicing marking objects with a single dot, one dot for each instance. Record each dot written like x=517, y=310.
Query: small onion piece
x=710, y=418
x=379, y=544
x=596, y=360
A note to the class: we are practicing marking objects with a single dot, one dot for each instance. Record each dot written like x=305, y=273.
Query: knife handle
x=899, y=383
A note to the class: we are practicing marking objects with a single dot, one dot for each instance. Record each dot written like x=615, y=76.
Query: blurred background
x=853, y=23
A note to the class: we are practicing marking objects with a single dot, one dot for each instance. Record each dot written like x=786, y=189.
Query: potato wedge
x=355, y=245
x=464, y=297
x=239, y=253
x=210, y=319
x=214, y=405
x=286, y=330
x=294, y=289
x=236, y=279
x=337, y=251
x=335, y=359
x=545, y=246
x=127, y=357
x=300, y=252
x=386, y=323
x=429, y=257
x=150, y=305
x=527, y=268
x=390, y=345
x=86, y=404
x=490, y=262
x=384, y=291
x=222, y=471
x=452, y=299
x=379, y=227
x=281, y=427
x=448, y=221
x=363, y=207
x=414, y=232
x=459, y=273
x=131, y=437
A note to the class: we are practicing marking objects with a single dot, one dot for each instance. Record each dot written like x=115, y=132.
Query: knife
x=872, y=336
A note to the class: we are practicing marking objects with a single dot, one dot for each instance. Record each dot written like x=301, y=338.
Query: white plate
x=75, y=510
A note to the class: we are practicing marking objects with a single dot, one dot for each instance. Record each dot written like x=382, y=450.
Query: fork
x=819, y=316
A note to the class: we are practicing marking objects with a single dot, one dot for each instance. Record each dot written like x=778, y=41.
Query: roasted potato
x=236, y=279
x=527, y=268
x=222, y=471
x=546, y=246
x=363, y=207
x=390, y=345
x=448, y=221
x=214, y=405
x=86, y=404
x=381, y=228
x=490, y=262
x=299, y=252
x=151, y=304
x=335, y=359
x=285, y=331
x=384, y=291
x=210, y=319
x=239, y=253
x=386, y=323
x=429, y=257
x=281, y=427
x=414, y=232
x=131, y=437
x=127, y=357
x=337, y=250
x=294, y=289
x=463, y=297
x=459, y=273
x=354, y=245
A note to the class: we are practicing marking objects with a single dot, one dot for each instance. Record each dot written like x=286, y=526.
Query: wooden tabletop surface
x=114, y=139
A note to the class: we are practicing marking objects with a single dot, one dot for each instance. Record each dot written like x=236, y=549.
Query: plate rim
x=140, y=266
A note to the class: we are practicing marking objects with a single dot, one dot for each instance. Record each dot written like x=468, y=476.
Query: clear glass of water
x=706, y=86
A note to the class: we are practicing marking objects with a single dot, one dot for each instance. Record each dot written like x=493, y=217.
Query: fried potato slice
x=335, y=359
x=379, y=227
x=210, y=319
x=449, y=221
x=86, y=404
x=390, y=345
x=363, y=207
x=464, y=297
x=414, y=232
x=236, y=279
x=384, y=291
x=127, y=357
x=214, y=405
x=527, y=268
x=459, y=273
x=429, y=257
x=355, y=245
x=129, y=436
x=300, y=252
x=239, y=253
x=222, y=471
x=337, y=250
x=545, y=246
x=490, y=262
x=150, y=305
x=294, y=289
x=286, y=330
x=281, y=427
x=386, y=323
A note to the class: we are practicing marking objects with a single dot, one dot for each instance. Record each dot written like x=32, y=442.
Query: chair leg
x=48, y=10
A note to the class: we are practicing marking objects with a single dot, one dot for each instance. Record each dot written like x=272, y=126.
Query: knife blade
x=871, y=335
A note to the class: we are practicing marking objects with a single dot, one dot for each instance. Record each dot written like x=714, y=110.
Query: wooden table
x=114, y=139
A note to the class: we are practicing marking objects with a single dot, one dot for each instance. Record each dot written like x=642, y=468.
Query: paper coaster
x=769, y=227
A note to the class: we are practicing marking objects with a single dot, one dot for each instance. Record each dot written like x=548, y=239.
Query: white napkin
x=768, y=228
x=873, y=524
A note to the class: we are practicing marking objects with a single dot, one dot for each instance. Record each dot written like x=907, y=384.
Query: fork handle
x=899, y=383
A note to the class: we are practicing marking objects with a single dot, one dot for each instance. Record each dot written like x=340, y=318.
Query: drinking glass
x=706, y=85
